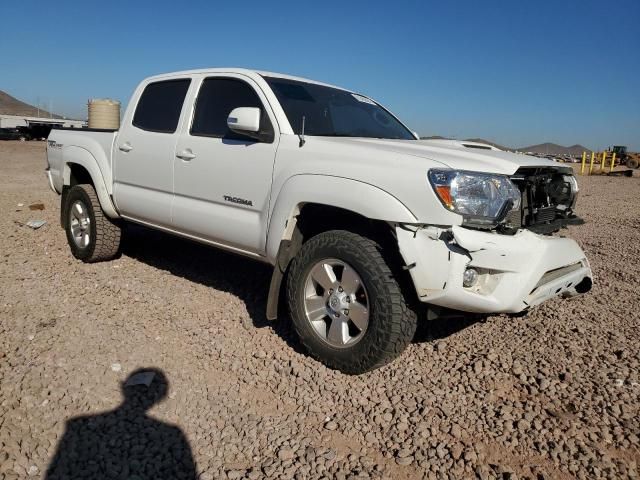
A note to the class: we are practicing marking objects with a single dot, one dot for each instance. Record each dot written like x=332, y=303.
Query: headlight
x=574, y=183
x=482, y=199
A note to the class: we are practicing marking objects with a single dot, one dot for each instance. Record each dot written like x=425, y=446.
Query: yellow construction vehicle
x=630, y=159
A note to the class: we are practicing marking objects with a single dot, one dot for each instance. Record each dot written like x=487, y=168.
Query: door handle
x=125, y=147
x=186, y=155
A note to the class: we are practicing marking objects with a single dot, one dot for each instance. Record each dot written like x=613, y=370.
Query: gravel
x=553, y=394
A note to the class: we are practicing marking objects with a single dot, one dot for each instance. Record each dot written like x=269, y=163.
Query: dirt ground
x=553, y=394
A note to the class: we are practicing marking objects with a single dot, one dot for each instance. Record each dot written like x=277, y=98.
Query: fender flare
x=81, y=156
x=284, y=239
x=359, y=197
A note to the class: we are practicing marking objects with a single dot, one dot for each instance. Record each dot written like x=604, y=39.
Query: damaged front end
x=502, y=257
x=540, y=199
x=512, y=272
x=548, y=198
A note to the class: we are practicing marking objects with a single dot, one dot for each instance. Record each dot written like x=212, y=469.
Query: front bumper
x=516, y=271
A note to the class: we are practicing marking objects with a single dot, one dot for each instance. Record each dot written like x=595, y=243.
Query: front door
x=144, y=153
x=222, y=180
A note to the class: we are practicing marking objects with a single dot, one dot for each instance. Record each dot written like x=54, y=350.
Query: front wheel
x=92, y=236
x=346, y=304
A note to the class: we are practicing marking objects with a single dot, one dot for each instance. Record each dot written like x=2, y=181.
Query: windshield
x=332, y=112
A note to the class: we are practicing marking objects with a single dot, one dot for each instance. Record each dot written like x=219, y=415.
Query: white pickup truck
x=368, y=228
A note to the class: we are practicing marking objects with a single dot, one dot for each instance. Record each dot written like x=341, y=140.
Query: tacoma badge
x=241, y=201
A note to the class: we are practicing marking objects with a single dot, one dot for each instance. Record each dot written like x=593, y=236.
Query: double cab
x=368, y=228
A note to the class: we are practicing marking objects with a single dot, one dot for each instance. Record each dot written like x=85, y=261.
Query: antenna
x=302, y=140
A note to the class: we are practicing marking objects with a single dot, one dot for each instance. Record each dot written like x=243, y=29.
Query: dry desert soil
x=554, y=394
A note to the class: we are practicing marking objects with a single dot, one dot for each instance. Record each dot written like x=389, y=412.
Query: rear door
x=144, y=152
x=223, y=180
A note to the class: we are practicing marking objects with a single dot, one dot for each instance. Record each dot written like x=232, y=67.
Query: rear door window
x=160, y=105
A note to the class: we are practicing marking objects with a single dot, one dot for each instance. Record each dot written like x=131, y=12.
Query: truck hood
x=454, y=154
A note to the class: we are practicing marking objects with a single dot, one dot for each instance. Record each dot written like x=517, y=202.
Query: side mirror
x=244, y=120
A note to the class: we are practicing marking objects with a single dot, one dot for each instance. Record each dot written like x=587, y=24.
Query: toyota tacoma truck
x=367, y=227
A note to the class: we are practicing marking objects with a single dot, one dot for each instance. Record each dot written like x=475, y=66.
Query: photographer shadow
x=125, y=443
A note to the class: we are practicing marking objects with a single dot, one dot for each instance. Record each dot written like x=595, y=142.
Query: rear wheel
x=632, y=162
x=92, y=236
x=346, y=304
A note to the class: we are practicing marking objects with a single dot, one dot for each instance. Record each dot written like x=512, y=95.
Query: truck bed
x=90, y=143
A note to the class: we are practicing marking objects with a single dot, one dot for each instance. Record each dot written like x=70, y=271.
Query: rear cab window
x=160, y=104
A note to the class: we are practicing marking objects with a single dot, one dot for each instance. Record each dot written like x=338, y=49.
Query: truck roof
x=243, y=71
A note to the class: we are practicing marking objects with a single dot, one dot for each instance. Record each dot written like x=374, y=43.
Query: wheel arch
x=347, y=195
x=82, y=166
x=302, y=210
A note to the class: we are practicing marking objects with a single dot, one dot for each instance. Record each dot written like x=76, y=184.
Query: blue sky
x=517, y=73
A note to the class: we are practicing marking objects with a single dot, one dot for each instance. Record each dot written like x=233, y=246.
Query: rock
x=441, y=451
x=523, y=425
x=331, y=425
x=408, y=460
x=405, y=452
x=517, y=369
x=469, y=455
x=330, y=454
x=285, y=453
x=456, y=451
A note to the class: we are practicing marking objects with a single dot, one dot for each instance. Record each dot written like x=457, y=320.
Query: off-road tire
x=632, y=163
x=105, y=234
x=392, y=323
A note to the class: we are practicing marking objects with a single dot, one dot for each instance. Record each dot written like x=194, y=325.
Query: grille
x=546, y=201
x=546, y=214
x=514, y=218
x=557, y=273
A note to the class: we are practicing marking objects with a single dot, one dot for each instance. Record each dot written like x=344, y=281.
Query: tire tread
x=393, y=334
x=108, y=234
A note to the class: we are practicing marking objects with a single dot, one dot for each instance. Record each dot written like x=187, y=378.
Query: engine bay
x=547, y=202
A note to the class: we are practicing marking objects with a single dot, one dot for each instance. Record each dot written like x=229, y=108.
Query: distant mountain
x=554, y=149
x=12, y=106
